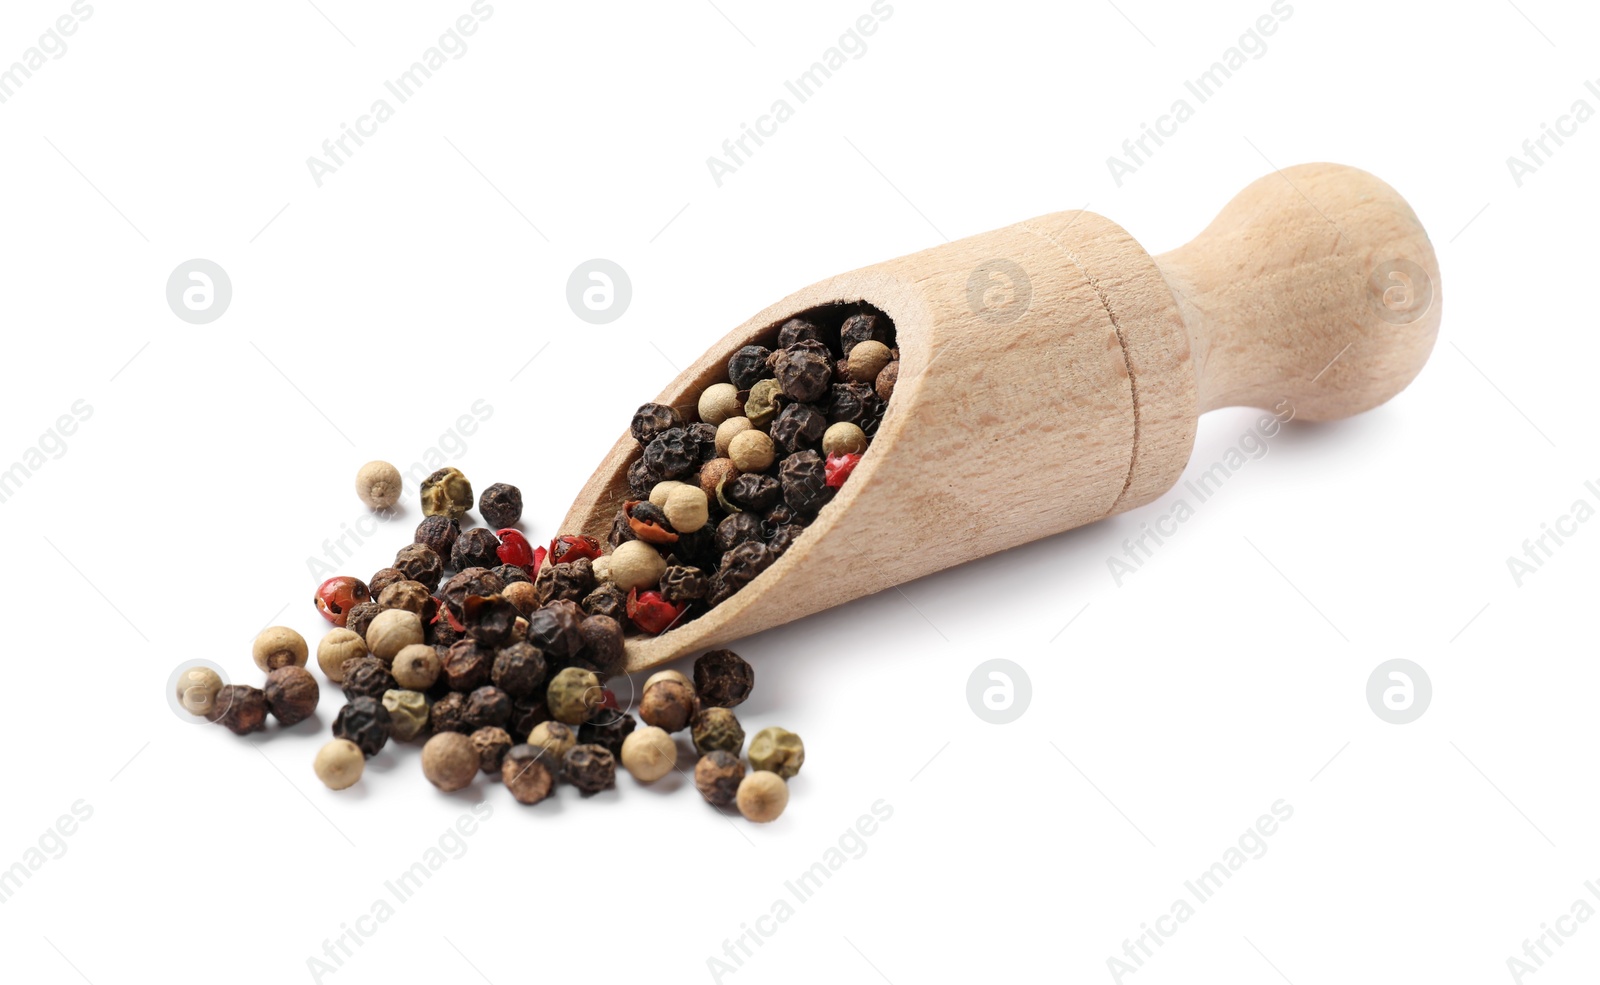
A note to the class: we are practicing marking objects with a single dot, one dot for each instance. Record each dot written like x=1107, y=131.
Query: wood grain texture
x=1071, y=391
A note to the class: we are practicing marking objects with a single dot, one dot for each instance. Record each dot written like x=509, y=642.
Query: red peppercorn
x=608, y=699
x=652, y=613
x=539, y=554
x=571, y=547
x=337, y=596
x=514, y=549
x=838, y=468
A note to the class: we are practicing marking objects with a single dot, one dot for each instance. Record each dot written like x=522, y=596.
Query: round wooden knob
x=1317, y=286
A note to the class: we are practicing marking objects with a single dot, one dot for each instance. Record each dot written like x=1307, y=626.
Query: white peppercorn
x=867, y=360
x=197, y=690
x=636, y=564
x=450, y=761
x=687, y=510
x=392, y=631
x=763, y=795
x=667, y=675
x=728, y=430
x=337, y=647
x=718, y=402
x=555, y=739
x=279, y=646
x=378, y=484
x=844, y=438
x=339, y=764
x=416, y=666
x=649, y=754
x=661, y=490
x=751, y=451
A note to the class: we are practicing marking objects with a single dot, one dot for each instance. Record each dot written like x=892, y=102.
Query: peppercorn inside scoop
x=707, y=511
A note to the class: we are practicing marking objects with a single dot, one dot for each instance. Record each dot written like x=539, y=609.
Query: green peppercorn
x=761, y=406
x=716, y=728
x=408, y=713
x=573, y=694
x=777, y=750
x=446, y=493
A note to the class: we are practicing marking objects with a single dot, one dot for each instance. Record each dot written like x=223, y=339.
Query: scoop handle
x=1317, y=285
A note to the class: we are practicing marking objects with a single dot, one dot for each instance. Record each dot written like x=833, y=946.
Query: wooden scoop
x=1052, y=373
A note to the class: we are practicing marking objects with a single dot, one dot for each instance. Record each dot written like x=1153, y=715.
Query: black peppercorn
x=519, y=671
x=803, y=370
x=703, y=438
x=723, y=679
x=652, y=419
x=466, y=666
x=860, y=328
x=798, y=426
x=291, y=694
x=804, y=480
x=449, y=713
x=420, y=563
x=621, y=529
x=607, y=728
x=570, y=580
x=590, y=768
x=501, y=505
x=491, y=621
x=717, y=777
x=752, y=491
x=366, y=677
x=735, y=530
x=607, y=600
x=360, y=617
x=526, y=774
x=438, y=533
x=475, y=548
x=740, y=567
x=556, y=629
x=853, y=403
x=487, y=706
x=472, y=581
x=381, y=580
x=887, y=378
x=681, y=583
x=364, y=721
x=492, y=743
x=672, y=454
x=239, y=708
x=526, y=716
x=797, y=330
x=641, y=478
x=511, y=574
x=440, y=633
x=748, y=365
x=602, y=645
x=783, y=537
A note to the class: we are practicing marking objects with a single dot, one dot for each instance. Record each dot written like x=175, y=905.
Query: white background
x=371, y=312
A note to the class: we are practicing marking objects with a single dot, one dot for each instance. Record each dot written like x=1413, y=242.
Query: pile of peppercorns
x=717, y=501
x=468, y=661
